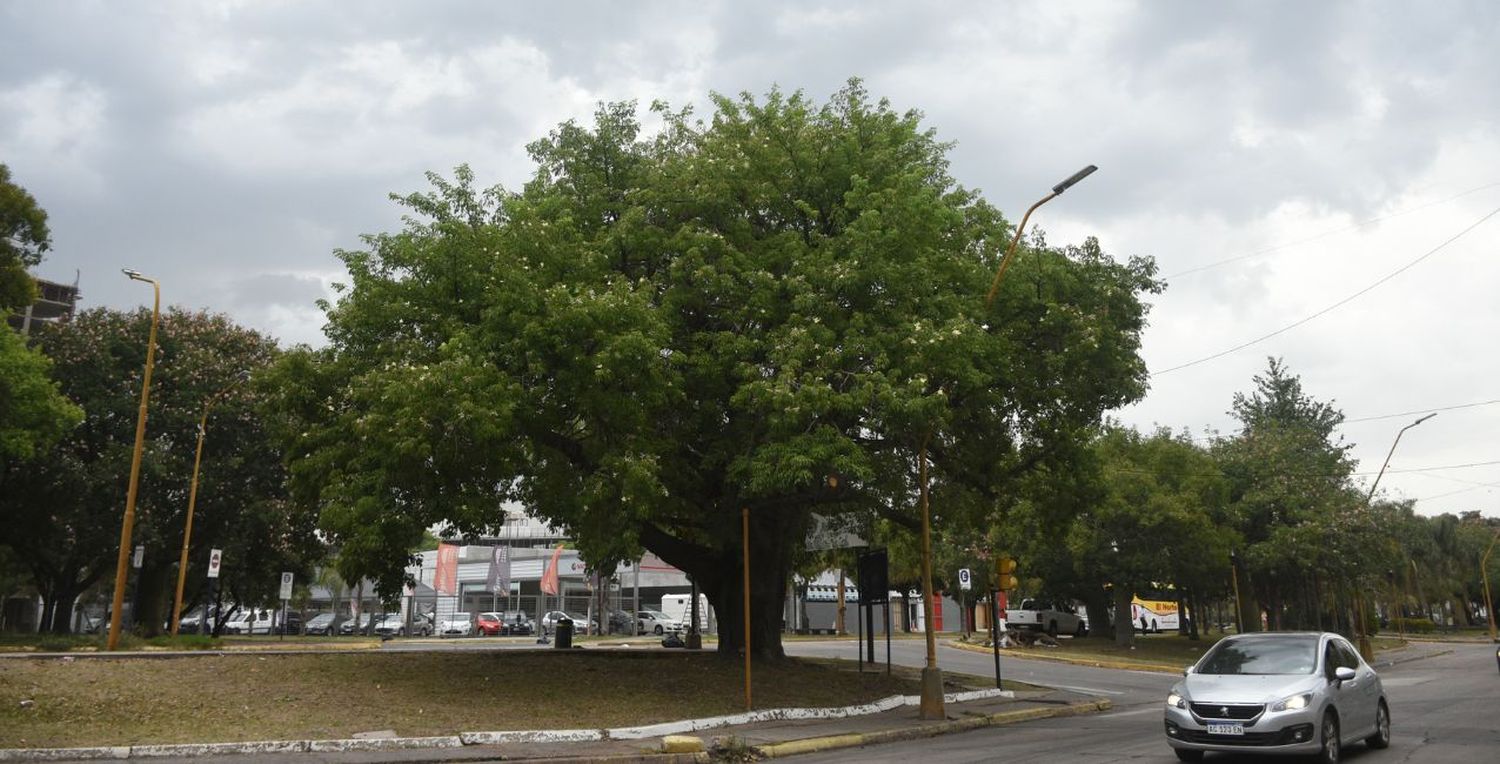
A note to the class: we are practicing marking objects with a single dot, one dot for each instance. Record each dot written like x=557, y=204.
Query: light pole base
x=932, y=694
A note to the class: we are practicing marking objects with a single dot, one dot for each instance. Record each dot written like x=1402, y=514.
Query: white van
x=678, y=609
x=251, y=621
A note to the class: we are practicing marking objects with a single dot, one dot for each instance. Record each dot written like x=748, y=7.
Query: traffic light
x=1005, y=573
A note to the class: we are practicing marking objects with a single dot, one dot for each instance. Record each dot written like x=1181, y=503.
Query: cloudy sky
x=1319, y=172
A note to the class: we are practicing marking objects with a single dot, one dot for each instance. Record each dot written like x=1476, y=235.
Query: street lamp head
x=1074, y=178
x=132, y=273
x=1423, y=419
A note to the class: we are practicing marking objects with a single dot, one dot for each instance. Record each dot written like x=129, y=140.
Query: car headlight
x=1176, y=701
x=1294, y=703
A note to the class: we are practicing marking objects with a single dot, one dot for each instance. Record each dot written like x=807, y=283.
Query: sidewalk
x=769, y=736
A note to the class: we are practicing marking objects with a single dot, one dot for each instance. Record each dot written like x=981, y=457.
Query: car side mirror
x=1343, y=673
x=1187, y=670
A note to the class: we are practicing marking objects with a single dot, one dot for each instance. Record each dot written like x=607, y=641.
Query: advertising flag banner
x=549, y=578
x=499, y=577
x=445, y=579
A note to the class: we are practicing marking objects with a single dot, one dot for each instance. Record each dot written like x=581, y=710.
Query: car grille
x=1284, y=736
x=1233, y=712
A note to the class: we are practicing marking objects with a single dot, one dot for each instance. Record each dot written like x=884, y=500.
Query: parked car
x=549, y=621
x=654, y=622
x=1279, y=692
x=324, y=624
x=621, y=622
x=457, y=625
x=289, y=622
x=362, y=626
x=1047, y=615
x=489, y=624
x=394, y=625
x=516, y=623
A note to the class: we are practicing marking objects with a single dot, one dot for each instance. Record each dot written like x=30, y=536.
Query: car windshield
x=1283, y=654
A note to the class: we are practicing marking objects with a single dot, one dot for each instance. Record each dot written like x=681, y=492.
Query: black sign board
x=874, y=583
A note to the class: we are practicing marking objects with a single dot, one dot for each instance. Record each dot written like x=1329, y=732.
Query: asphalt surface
x=1445, y=708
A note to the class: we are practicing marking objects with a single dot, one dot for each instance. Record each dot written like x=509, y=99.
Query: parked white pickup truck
x=1043, y=615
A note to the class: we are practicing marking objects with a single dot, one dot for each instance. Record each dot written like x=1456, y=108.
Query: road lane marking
x=1086, y=689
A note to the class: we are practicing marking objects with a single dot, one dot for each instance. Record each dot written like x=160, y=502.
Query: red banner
x=445, y=580
x=549, y=578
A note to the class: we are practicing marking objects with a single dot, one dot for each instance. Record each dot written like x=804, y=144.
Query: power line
x=1338, y=304
x=1409, y=470
x=1326, y=234
x=1422, y=411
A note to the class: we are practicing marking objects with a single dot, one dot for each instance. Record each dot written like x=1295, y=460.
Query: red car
x=489, y=624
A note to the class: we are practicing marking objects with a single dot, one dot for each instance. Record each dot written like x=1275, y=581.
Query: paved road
x=1445, y=708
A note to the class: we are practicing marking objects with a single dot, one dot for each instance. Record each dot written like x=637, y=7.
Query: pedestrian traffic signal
x=1005, y=573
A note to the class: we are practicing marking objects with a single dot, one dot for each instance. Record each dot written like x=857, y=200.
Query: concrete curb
x=1156, y=668
x=1409, y=659
x=999, y=718
x=483, y=738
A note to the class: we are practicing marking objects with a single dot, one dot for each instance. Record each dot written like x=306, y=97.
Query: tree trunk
x=720, y=576
x=1096, y=604
x=1124, y=626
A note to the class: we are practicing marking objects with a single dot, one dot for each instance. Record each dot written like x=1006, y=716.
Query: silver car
x=1288, y=692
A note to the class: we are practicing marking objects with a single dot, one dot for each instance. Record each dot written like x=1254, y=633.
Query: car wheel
x=1052, y=629
x=1382, y=736
x=657, y=630
x=1184, y=754
x=1331, y=748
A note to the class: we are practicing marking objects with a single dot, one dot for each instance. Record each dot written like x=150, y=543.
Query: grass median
x=217, y=698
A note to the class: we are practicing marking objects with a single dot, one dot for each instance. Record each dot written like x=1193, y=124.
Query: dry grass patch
x=216, y=698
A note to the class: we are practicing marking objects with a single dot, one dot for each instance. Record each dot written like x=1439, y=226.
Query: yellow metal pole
x=1239, y=610
x=122, y=564
x=1489, y=602
x=1010, y=253
x=187, y=530
x=745, y=541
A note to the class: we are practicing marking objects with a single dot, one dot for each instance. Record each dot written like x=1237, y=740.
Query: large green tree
x=1306, y=534
x=773, y=310
x=23, y=239
x=63, y=507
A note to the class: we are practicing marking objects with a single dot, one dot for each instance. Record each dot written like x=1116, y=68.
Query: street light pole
x=187, y=530
x=1489, y=602
x=135, y=465
x=1365, y=649
x=1010, y=253
x=932, y=678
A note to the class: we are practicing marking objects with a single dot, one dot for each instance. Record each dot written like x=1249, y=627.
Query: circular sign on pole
x=214, y=558
x=965, y=579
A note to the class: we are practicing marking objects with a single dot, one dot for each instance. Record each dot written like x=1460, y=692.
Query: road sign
x=214, y=557
x=286, y=586
x=964, y=579
x=140, y=557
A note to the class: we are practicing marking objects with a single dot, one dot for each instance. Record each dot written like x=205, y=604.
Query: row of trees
x=1273, y=507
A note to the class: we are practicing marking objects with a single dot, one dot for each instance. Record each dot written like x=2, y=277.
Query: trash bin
x=564, y=637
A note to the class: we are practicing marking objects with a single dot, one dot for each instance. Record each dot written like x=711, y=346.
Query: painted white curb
x=483, y=738
x=712, y=722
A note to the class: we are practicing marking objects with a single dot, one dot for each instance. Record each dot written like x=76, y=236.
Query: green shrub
x=1416, y=625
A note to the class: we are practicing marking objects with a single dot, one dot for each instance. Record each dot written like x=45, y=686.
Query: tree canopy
x=771, y=310
x=23, y=239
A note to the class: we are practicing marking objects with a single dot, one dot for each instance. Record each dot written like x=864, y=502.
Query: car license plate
x=1221, y=728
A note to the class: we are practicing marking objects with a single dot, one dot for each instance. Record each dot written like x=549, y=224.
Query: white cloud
x=54, y=124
